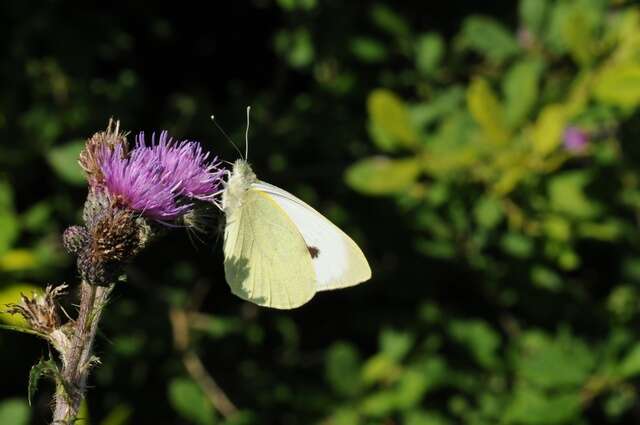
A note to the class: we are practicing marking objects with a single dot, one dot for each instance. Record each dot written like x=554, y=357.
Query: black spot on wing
x=315, y=252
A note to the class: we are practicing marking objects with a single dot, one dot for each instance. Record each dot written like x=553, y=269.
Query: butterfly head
x=236, y=187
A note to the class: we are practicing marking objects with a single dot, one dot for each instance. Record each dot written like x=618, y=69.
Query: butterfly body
x=278, y=250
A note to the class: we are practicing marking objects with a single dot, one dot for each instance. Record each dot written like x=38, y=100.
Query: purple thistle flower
x=160, y=179
x=575, y=139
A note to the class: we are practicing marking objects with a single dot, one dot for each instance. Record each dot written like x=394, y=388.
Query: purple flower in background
x=159, y=180
x=575, y=139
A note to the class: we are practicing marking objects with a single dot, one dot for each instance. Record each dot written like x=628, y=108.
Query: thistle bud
x=75, y=239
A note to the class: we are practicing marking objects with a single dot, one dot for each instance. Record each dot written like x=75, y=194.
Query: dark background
x=67, y=67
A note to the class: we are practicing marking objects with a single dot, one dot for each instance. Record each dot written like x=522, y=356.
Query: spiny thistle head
x=131, y=191
x=160, y=180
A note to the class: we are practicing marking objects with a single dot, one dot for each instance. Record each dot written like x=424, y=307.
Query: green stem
x=76, y=361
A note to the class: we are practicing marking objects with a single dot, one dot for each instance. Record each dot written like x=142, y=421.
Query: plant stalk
x=78, y=358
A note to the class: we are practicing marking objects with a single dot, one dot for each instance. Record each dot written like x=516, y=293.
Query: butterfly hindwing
x=266, y=258
x=338, y=262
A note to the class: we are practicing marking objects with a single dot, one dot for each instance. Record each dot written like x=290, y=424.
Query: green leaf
x=546, y=278
x=395, y=344
x=488, y=212
x=64, y=161
x=567, y=195
x=296, y=47
x=532, y=13
x=429, y=51
x=419, y=417
x=517, y=245
x=619, y=401
x=630, y=364
x=530, y=407
x=411, y=387
x=440, y=105
x=380, y=368
x=389, y=114
x=561, y=363
x=41, y=369
x=580, y=30
x=292, y=5
x=38, y=217
x=382, y=175
x=368, y=49
x=119, y=415
x=14, y=411
x=619, y=85
x=8, y=220
x=389, y=21
x=487, y=111
x=479, y=338
x=343, y=369
x=189, y=401
x=549, y=128
x=345, y=416
x=520, y=87
x=379, y=404
x=489, y=38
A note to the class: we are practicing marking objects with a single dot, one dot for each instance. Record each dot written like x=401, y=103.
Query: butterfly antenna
x=226, y=136
x=246, y=136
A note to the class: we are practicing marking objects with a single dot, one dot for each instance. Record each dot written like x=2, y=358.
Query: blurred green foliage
x=505, y=261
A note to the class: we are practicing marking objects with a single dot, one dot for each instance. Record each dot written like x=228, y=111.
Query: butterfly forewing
x=266, y=259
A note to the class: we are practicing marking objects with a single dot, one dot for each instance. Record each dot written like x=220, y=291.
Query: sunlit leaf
x=487, y=110
x=381, y=175
x=390, y=114
x=619, y=85
x=549, y=128
x=17, y=259
x=10, y=294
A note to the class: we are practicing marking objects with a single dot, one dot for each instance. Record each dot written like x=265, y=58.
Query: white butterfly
x=278, y=251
